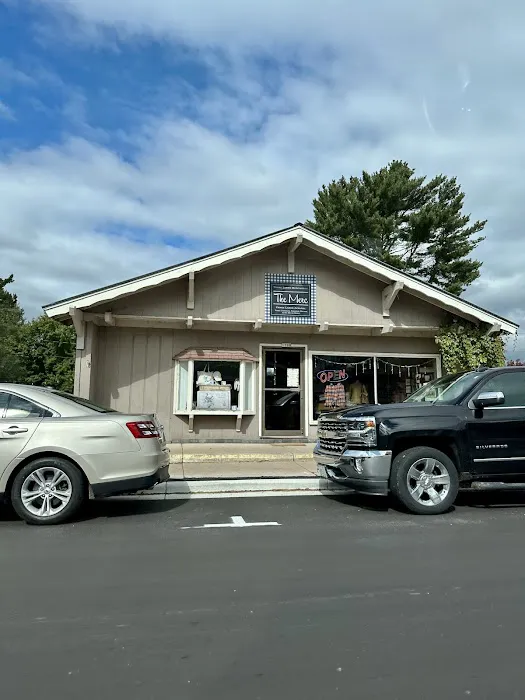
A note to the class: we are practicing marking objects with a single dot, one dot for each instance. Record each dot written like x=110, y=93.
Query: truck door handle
x=14, y=430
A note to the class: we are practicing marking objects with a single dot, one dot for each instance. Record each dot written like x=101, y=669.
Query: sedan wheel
x=48, y=491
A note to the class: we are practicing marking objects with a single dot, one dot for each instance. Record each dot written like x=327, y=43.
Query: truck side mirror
x=489, y=398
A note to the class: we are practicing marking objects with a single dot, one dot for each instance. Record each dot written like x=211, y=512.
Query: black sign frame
x=290, y=298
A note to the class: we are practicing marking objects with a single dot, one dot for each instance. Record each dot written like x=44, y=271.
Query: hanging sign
x=292, y=378
x=290, y=298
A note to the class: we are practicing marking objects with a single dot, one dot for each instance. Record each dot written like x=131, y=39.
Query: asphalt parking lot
x=341, y=598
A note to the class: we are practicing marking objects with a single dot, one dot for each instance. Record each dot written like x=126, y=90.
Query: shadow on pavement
x=109, y=508
x=508, y=498
x=505, y=498
x=378, y=504
x=124, y=507
x=7, y=514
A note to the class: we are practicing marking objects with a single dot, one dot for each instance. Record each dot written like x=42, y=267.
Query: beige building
x=256, y=341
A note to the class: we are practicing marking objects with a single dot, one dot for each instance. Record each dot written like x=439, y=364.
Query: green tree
x=11, y=321
x=464, y=346
x=406, y=221
x=46, y=353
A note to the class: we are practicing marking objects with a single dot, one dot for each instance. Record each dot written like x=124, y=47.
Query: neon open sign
x=328, y=376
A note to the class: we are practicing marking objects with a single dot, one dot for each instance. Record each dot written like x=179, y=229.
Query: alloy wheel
x=46, y=492
x=428, y=482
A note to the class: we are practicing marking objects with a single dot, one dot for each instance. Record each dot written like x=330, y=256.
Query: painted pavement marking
x=236, y=521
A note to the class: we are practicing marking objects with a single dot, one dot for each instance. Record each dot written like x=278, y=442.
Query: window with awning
x=215, y=381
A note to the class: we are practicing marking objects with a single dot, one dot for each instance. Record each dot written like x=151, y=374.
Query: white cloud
x=6, y=112
x=357, y=103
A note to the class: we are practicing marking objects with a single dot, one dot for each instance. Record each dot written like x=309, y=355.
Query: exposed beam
x=212, y=324
x=291, y=251
x=323, y=327
x=109, y=319
x=495, y=328
x=189, y=322
x=388, y=327
x=389, y=296
x=191, y=290
x=77, y=316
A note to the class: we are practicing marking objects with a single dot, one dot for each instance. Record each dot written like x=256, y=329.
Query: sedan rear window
x=84, y=402
x=19, y=408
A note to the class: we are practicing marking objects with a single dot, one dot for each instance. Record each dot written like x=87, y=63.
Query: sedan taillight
x=143, y=429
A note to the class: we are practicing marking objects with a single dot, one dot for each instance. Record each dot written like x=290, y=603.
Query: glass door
x=283, y=401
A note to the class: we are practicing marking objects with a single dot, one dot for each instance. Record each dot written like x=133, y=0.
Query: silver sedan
x=57, y=450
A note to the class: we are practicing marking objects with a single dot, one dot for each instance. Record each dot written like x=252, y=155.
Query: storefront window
x=182, y=386
x=249, y=383
x=215, y=385
x=399, y=377
x=341, y=381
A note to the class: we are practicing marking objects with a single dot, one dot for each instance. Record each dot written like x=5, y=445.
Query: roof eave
x=455, y=305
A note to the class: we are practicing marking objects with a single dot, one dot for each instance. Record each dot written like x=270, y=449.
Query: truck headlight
x=362, y=430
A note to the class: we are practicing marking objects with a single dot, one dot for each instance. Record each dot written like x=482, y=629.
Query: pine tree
x=11, y=321
x=406, y=221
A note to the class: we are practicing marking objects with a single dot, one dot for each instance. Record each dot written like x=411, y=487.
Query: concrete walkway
x=242, y=470
x=240, y=452
x=238, y=460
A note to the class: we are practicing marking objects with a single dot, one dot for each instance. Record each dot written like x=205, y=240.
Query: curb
x=232, y=488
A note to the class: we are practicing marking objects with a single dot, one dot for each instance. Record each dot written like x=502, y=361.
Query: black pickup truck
x=454, y=431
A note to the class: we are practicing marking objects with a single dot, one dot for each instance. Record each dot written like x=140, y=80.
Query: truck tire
x=424, y=480
x=48, y=491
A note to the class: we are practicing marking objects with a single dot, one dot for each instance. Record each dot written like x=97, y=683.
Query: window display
x=216, y=386
x=340, y=381
x=399, y=377
x=210, y=385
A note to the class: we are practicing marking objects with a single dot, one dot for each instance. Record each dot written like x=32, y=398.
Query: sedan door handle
x=14, y=430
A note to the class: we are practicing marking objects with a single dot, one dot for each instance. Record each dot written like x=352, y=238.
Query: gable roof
x=308, y=236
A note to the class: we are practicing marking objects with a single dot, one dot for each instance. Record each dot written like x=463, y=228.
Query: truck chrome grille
x=334, y=425
x=332, y=436
x=335, y=445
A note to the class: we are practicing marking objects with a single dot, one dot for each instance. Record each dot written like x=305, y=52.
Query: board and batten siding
x=135, y=370
x=236, y=292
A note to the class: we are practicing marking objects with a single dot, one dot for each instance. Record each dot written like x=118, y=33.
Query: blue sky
x=138, y=133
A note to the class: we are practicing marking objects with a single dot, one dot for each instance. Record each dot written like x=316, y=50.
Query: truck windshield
x=447, y=389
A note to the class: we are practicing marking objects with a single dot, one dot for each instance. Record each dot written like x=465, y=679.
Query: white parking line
x=236, y=521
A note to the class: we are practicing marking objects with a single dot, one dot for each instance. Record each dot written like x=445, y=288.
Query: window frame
x=362, y=353
x=46, y=411
x=190, y=411
x=3, y=408
x=482, y=387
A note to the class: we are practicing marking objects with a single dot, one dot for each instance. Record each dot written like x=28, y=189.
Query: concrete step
x=243, y=470
x=197, y=453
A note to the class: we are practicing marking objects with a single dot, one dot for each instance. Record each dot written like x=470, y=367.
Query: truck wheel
x=424, y=480
x=47, y=491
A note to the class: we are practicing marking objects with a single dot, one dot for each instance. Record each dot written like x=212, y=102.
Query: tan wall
x=85, y=363
x=135, y=370
x=236, y=291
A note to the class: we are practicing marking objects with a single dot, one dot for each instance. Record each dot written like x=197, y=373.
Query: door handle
x=14, y=430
